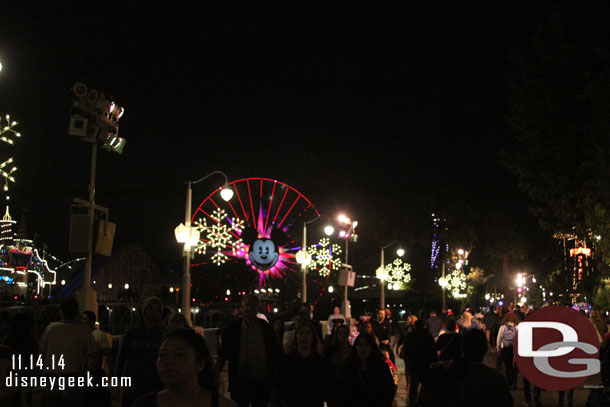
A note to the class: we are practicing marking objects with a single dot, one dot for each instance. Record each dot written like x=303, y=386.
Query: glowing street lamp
x=382, y=273
x=303, y=257
x=189, y=236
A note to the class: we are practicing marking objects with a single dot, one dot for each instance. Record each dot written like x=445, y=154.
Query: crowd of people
x=284, y=363
x=443, y=359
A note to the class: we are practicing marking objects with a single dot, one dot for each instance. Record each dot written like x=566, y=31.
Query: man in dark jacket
x=466, y=381
x=491, y=320
x=382, y=329
x=249, y=345
x=434, y=324
x=420, y=351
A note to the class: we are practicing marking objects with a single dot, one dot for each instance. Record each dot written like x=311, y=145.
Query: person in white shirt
x=335, y=315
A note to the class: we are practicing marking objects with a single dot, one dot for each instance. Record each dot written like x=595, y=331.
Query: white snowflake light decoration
x=456, y=283
x=398, y=273
x=7, y=131
x=325, y=257
x=219, y=236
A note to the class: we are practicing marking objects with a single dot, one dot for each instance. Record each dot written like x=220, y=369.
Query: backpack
x=508, y=336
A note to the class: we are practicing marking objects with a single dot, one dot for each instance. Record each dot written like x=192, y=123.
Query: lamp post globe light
x=382, y=273
x=189, y=237
x=303, y=257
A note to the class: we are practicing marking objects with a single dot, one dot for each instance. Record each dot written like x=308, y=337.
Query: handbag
x=439, y=352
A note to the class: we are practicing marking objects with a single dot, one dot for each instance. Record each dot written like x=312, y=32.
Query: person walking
x=420, y=352
x=482, y=386
x=336, y=316
x=186, y=369
x=302, y=377
x=504, y=345
x=99, y=396
x=434, y=324
x=368, y=381
x=394, y=329
x=382, y=329
x=249, y=345
x=336, y=355
x=491, y=320
x=72, y=342
x=466, y=381
x=138, y=353
x=467, y=322
x=449, y=345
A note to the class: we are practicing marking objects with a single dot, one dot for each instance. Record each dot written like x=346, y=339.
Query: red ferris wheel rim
x=244, y=207
x=263, y=204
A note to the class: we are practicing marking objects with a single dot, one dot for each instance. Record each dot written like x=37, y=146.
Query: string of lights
x=8, y=134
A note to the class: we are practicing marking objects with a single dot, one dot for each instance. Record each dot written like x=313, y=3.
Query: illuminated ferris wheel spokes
x=264, y=205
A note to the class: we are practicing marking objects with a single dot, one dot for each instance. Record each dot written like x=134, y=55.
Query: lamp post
x=94, y=119
x=382, y=274
x=190, y=236
x=347, y=234
x=443, y=283
x=304, y=258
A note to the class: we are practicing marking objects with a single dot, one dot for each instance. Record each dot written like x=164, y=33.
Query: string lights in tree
x=8, y=134
x=325, y=256
x=219, y=236
x=398, y=274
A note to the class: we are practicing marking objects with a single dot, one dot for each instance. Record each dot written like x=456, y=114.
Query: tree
x=560, y=108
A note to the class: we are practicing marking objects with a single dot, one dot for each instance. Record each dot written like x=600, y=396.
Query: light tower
x=95, y=119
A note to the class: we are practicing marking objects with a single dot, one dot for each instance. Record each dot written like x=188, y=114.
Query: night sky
x=386, y=114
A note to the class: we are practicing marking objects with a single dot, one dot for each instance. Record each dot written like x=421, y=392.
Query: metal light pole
x=186, y=272
x=346, y=308
x=89, y=294
x=94, y=119
x=184, y=235
x=382, y=279
x=347, y=235
x=304, y=258
x=381, y=274
x=305, y=263
x=443, y=286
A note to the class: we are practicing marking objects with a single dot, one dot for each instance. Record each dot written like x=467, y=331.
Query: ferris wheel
x=254, y=226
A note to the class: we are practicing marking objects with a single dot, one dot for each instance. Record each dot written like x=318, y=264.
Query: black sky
x=388, y=113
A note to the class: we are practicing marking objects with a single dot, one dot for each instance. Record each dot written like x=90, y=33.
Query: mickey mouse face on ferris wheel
x=264, y=252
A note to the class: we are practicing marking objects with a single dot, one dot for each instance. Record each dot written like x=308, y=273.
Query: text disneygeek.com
x=64, y=382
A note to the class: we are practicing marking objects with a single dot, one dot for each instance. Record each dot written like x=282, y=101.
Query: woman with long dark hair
x=336, y=355
x=185, y=367
x=368, y=380
x=302, y=377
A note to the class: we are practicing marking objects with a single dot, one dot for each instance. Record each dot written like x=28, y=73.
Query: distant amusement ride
x=253, y=228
